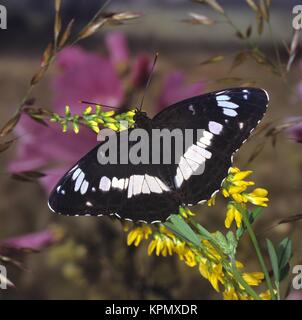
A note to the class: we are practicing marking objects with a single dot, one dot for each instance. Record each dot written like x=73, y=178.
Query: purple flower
x=174, y=89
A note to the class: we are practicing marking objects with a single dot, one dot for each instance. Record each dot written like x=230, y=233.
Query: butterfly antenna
x=148, y=81
x=97, y=104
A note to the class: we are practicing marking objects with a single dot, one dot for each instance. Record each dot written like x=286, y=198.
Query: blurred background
x=56, y=257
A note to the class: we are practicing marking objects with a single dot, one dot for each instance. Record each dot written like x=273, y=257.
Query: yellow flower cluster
x=136, y=235
x=165, y=243
x=210, y=266
x=94, y=120
x=234, y=187
x=212, y=261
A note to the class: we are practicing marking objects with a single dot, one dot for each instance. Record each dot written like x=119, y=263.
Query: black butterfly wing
x=132, y=192
x=227, y=118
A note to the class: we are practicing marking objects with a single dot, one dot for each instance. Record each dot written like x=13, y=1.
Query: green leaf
x=232, y=242
x=172, y=228
x=274, y=259
x=184, y=229
x=284, y=252
x=284, y=272
x=255, y=214
x=203, y=232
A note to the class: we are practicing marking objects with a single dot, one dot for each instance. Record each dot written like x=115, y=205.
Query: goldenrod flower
x=162, y=245
x=189, y=258
x=166, y=231
x=253, y=278
x=266, y=295
x=185, y=253
x=230, y=294
x=185, y=212
x=211, y=251
x=212, y=272
x=258, y=197
x=232, y=213
x=136, y=235
x=212, y=201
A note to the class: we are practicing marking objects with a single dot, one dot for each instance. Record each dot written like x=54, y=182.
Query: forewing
x=226, y=118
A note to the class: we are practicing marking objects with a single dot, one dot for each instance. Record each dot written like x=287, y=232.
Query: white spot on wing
x=223, y=98
x=227, y=104
x=76, y=173
x=79, y=181
x=130, y=187
x=88, y=204
x=114, y=182
x=230, y=112
x=137, y=184
x=178, y=179
x=84, y=187
x=153, y=184
x=145, y=188
x=162, y=185
x=191, y=108
x=185, y=168
x=105, y=183
x=215, y=127
x=202, y=151
x=121, y=184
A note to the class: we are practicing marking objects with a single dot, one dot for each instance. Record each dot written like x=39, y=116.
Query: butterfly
x=151, y=192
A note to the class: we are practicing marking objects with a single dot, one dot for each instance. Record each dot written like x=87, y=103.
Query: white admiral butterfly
x=152, y=192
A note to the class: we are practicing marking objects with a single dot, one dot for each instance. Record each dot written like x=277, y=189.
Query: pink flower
x=174, y=89
x=141, y=71
x=34, y=241
x=92, y=77
x=82, y=76
x=118, y=49
x=295, y=131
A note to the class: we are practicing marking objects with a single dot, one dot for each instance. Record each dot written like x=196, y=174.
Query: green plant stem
x=236, y=273
x=258, y=252
x=240, y=280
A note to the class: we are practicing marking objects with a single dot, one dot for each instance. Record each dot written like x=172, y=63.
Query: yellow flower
x=232, y=213
x=166, y=231
x=239, y=265
x=266, y=295
x=212, y=272
x=185, y=212
x=258, y=197
x=136, y=235
x=211, y=251
x=230, y=294
x=240, y=175
x=253, y=278
x=189, y=258
x=185, y=253
x=212, y=201
x=234, y=186
x=245, y=296
x=233, y=170
x=162, y=245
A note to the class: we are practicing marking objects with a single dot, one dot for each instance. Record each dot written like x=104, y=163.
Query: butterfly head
x=141, y=119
